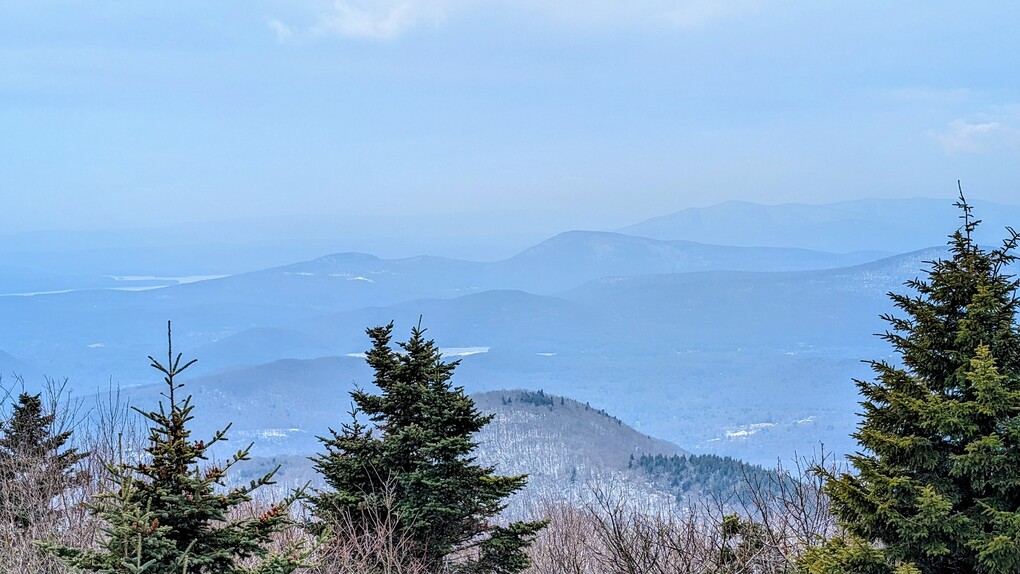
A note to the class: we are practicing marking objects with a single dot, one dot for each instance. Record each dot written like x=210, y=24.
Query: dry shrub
x=29, y=512
x=370, y=541
x=38, y=499
x=763, y=531
x=39, y=504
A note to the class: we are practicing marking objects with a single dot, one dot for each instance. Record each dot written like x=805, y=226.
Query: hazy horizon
x=287, y=239
x=494, y=117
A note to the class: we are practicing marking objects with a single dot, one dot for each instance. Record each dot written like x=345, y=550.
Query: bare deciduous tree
x=764, y=530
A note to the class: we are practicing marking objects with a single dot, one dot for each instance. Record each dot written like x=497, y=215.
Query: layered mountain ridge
x=742, y=351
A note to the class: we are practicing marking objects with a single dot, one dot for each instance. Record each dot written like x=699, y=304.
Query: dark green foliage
x=719, y=477
x=742, y=541
x=36, y=464
x=937, y=486
x=168, y=513
x=538, y=398
x=416, y=459
x=503, y=552
x=849, y=555
x=29, y=432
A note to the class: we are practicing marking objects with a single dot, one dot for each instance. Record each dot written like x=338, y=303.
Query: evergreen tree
x=168, y=513
x=416, y=460
x=36, y=464
x=937, y=488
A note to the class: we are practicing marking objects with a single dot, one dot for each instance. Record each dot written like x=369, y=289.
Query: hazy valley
x=739, y=351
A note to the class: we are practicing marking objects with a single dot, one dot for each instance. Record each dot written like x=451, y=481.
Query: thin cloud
x=387, y=19
x=682, y=14
x=378, y=19
x=282, y=31
x=980, y=135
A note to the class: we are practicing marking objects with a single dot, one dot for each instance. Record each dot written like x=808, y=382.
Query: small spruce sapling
x=168, y=510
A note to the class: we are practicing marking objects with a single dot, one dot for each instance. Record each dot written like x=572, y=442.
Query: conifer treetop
x=169, y=511
x=937, y=487
x=416, y=460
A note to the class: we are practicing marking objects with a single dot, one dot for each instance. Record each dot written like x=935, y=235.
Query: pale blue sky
x=510, y=113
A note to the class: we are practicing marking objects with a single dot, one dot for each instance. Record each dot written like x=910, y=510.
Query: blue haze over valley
x=684, y=215
x=743, y=347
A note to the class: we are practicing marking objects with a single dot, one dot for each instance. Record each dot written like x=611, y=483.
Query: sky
x=495, y=116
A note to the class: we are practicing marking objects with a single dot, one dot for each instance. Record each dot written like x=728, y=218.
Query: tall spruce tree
x=168, y=513
x=937, y=487
x=415, y=459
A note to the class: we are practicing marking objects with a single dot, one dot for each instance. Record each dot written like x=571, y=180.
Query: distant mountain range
x=353, y=280
x=890, y=225
x=97, y=326
x=750, y=364
x=744, y=351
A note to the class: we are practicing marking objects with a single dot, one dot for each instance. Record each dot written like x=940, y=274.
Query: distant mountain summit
x=889, y=225
x=574, y=257
x=568, y=449
x=354, y=280
x=573, y=452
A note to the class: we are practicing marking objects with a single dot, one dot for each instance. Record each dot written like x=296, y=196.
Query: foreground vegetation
x=935, y=488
